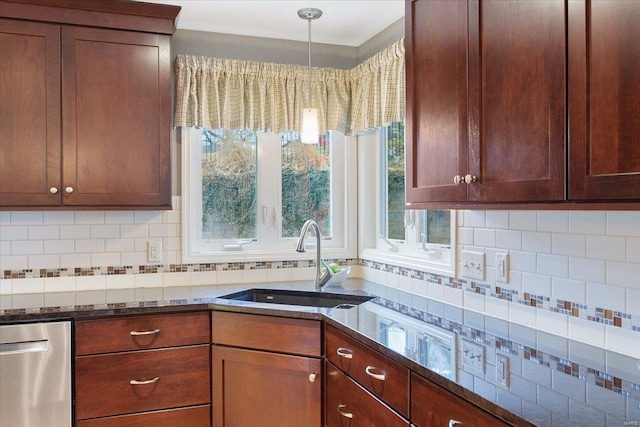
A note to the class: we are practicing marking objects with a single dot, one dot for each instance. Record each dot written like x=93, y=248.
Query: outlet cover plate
x=473, y=356
x=473, y=265
x=502, y=267
x=154, y=250
x=502, y=369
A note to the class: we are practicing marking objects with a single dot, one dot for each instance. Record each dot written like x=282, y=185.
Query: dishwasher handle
x=24, y=347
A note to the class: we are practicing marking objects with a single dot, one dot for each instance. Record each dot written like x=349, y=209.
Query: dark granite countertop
x=553, y=381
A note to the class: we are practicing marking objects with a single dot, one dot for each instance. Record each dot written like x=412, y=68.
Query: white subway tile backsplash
x=43, y=232
x=523, y=261
x=553, y=221
x=74, y=260
x=136, y=258
x=28, y=286
x=453, y=296
x=497, y=307
x=474, y=301
x=568, y=244
x=163, y=230
x=606, y=247
x=587, y=222
x=89, y=246
x=118, y=245
x=465, y=236
x=284, y=274
x=553, y=265
x=484, y=237
x=91, y=283
x=5, y=218
x=14, y=262
x=587, y=269
x=176, y=279
x=58, y=217
x=105, y=231
x=536, y=284
x=59, y=247
x=43, y=261
x=553, y=323
x=536, y=241
x=118, y=217
x=134, y=231
x=5, y=248
x=13, y=232
x=633, y=249
x=623, y=341
x=623, y=274
x=633, y=302
x=75, y=231
x=522, y=314
x=27, y=247
x=89, y=217
x=149, y=280
x=60, y=284
x=230, y=276
x=523, y=220
x=610, y=297
x=497, y=219
x=148, y=217
x=26, y=218
x=120, y=281
x=91, y=297
x=509, y=239
x=568, y=290
x=254, y=276
x=473, y=218
x=5, y=286
x=623, y=223
x=105, y=259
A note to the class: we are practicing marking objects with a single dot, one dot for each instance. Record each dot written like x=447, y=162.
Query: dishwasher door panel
x=35, y=374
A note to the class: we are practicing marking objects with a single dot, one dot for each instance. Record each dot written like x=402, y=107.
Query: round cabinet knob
x=458, y=179
x=453, y=423
x=312, y=377
x=68, y=190
x=469, y=179
x=53, y=190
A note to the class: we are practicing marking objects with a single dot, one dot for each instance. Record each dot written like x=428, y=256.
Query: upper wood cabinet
x=488, y=101
x=86, y=118
x=604, y=89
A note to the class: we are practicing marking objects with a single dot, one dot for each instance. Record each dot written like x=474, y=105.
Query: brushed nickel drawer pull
x=369, y=370
x=347, y=353
x=343, y=413
x=137, y=333
x=136, y=382
x=453, y=423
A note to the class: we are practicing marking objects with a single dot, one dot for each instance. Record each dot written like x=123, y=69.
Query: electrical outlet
x=502, y=369
x=473, y=265
x=154, y=250
x=502, y=267
x=473, y=355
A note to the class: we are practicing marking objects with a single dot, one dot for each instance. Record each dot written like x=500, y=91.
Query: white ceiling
x=343, y=22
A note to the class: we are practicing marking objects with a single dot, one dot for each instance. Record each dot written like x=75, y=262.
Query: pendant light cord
x=309, y=94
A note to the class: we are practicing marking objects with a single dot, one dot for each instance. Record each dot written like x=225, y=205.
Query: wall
x=572, y=273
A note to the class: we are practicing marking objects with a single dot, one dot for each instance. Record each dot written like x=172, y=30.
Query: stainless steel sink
x=304, y=298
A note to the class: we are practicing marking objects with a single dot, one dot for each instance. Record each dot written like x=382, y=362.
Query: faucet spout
x=323, y=272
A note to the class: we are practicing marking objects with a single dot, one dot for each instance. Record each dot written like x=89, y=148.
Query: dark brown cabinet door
x=257, y=388
x=348, y=404
x=29, y=114
x=604, y=89
x=517, y=100
x=436, y=127
x=433, y=406
x=116, y=116
x=485, y=99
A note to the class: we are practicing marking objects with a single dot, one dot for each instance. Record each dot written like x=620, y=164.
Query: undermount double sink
x=303, y=298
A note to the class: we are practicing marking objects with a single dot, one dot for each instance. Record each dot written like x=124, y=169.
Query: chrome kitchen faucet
x=322, y=277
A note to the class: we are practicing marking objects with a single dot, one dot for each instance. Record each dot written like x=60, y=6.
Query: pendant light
x=310, y=130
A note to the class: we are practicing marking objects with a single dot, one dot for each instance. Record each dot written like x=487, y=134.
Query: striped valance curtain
x=217, y=93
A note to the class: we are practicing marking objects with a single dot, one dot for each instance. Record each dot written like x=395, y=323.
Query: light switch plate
x=502, y=267
x=502, y=369
x=473, y=355
x=473, y=265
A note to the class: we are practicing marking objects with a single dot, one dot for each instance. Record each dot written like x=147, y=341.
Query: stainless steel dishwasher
x=35, y=374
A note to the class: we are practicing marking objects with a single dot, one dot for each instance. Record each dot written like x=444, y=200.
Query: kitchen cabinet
x=487, y=101
x=433, y=406
x=143, y=370
x=348, y=403
x=379, y=375
x=604, y=113
x=85, y=115
x=267, y=371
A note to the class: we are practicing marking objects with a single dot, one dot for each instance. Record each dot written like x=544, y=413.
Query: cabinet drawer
x=349, y=404
x=141, y=332
x=383, y=377
x=278, y=334
x=197, y=416
x=432, y=405
x=167, y=378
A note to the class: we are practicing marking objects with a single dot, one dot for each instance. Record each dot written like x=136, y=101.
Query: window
x=246, y=195
x=423, y=239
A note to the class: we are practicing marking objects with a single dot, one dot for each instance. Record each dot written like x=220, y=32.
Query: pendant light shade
x=310, y=130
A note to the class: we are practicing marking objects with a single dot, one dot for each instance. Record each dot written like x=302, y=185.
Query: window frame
x=410, y=253
x=343, y=243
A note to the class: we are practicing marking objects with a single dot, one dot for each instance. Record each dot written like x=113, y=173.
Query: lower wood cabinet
x=267, y=371
x=196, y=416
x=433, y=406
x=349, y=404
